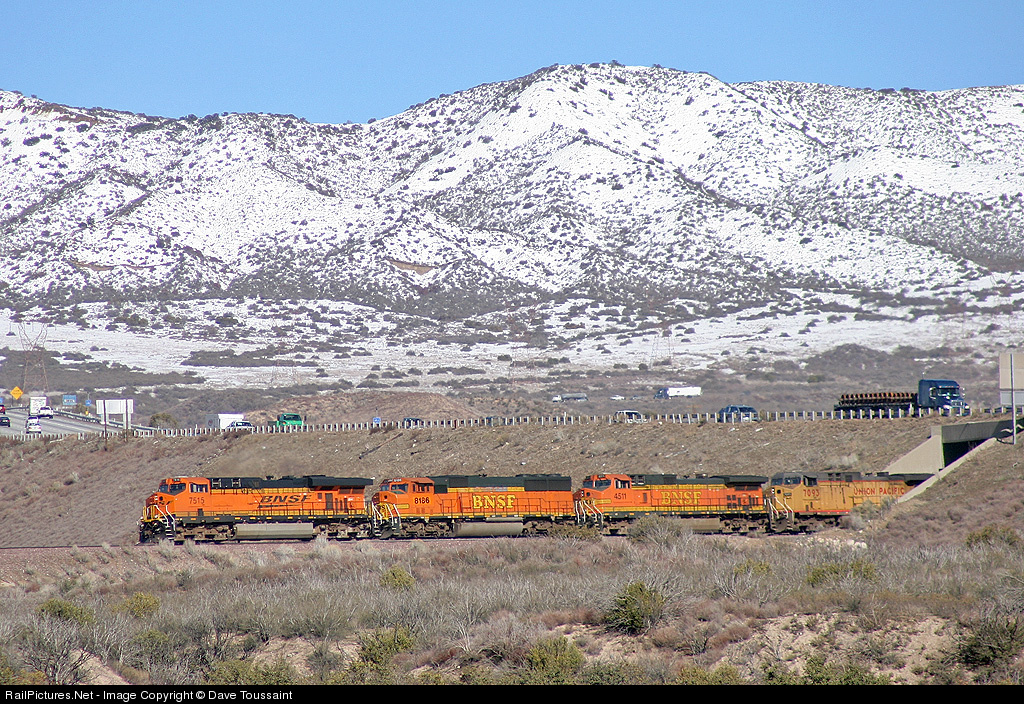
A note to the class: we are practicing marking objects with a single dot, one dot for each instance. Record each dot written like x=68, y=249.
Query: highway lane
x=57, y=425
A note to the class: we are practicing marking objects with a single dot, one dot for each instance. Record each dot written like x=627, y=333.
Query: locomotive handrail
x=788, y=511
x=168, y=518
x=585, y=509
x=378, y=517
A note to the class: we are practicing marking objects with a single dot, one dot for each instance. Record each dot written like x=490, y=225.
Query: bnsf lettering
x=283, y=499
x=683, y=497
x=494, y=501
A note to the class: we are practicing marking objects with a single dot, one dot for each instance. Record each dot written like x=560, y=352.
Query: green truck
x=286, y=421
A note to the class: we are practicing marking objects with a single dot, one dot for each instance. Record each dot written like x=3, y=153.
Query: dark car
x=5, y=421
x=412, y=422
x=737, y=414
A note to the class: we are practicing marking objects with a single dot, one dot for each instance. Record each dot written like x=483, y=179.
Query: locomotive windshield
x=175, y=488
x=786, y=479
x=599, y=484
x=399, y=488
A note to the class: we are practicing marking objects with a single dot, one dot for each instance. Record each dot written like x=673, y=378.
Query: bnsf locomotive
x=461, y=506
x=250, y=508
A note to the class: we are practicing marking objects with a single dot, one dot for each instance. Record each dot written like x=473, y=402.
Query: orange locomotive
x=731, y=504
x=805, y=501
x=462, y=506
x=250, y=508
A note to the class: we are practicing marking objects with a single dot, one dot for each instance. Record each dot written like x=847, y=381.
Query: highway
x=58, y=425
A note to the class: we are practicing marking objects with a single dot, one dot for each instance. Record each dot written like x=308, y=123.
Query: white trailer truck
x=674, y=391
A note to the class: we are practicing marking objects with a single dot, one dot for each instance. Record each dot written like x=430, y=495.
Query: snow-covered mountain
x=671, y=194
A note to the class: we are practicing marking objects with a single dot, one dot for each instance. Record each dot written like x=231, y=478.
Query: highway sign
x=16, y=392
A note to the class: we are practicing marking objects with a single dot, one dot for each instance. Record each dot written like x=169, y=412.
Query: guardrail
x=117, y=430
x=564, y=419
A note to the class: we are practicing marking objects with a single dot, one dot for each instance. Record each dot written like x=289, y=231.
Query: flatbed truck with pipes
x=942, y=395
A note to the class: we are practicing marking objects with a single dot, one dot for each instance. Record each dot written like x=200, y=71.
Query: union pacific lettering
x=282, y=499
x=885, y=490
x=499, y=502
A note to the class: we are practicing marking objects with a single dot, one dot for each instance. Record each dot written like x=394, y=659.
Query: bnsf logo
x=686, y=497
x=283, y=499
x=507, y=501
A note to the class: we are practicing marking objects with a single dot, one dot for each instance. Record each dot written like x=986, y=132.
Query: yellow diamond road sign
x=16, y=392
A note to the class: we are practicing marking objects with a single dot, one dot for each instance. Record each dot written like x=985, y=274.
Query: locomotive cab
x=175, y=493
x=404, y=491
x=597, y=485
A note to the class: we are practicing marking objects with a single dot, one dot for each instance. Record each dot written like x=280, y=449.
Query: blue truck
x=942, y=395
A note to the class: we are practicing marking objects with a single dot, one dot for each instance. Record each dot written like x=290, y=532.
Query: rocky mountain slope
x=605, y=181
x=646, y=196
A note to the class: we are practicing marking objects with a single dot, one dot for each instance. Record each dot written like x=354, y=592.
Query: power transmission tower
x=34, y=349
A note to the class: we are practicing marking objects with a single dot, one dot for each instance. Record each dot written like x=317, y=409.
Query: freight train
x=301, y=508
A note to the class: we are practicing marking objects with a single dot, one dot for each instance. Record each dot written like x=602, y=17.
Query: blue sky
x=345, y=61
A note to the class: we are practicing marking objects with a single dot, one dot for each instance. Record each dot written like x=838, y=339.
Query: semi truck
x=221, y=421
x=673, y=391
x=35, y=403
x=943, y=395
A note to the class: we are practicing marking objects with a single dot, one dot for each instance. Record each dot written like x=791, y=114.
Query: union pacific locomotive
x=250, y=508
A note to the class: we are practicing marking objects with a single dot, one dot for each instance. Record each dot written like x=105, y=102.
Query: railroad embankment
x=89, y=492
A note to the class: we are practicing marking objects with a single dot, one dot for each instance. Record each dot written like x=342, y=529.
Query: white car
x=45, y=412
x=33, y=427
x=617, y=397
x=630, y=416
x=241, y=425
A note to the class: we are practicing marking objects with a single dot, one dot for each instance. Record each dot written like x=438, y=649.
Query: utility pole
x=1013, y=402
x=1008, y=378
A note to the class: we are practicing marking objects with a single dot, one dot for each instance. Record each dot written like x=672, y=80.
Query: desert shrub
x=323, y=662
x=141, y=604
x=573, y=533
x=636, y=608
x=397, y=579
x=832, y=572
x=64, y=610
x=861, y=515
x=380, y=646
x=54, y=647
x=614, y=673
x=692, y=674
x=376, y=653
x=553, y=661
x=163, y=420
x=658, y=530
x=992, y=535
x=247, y=672
x=818, y=670
x=990, y=643
x=152, y=646
x=10, y=675
x=754, y=567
